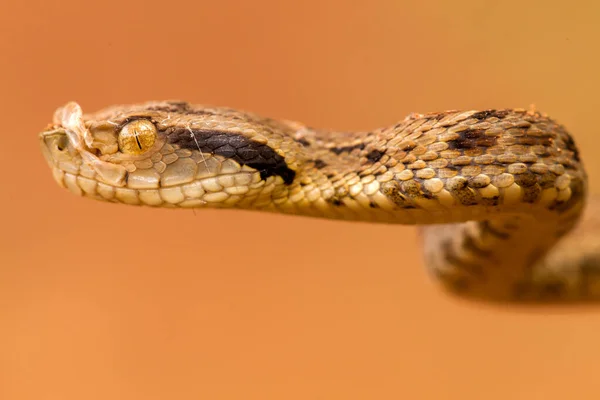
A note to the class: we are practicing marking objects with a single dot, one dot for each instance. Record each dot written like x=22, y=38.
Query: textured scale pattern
x=495, y=189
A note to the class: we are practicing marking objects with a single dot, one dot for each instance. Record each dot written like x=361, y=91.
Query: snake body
x=494, y=190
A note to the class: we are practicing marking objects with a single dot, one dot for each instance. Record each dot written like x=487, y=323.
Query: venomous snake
x=498, y=194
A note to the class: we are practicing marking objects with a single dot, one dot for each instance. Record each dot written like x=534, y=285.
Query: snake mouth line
x=226, y=189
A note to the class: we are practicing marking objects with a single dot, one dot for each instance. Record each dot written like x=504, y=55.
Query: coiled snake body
x=495, y=190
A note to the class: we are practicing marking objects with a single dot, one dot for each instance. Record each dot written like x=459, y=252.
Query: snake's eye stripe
x=236, y=147
x=137, y=136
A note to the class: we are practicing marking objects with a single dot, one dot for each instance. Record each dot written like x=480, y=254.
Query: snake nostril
x=61, y=143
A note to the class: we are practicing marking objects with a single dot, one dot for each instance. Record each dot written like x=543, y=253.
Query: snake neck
x=431, y=168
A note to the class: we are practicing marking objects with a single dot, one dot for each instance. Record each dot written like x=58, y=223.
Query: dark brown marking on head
x=335, y=201
x=187, y=109
x=347, y=149
x=320, y=164
x=500, y=114
x=373, y=205
x=436, y=117
x=171, y=106
x=209, y=113
x=235, y=146
x=375, y=155
x=470, y=139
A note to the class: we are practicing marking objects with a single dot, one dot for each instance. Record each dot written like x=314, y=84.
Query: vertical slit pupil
x=137, y=140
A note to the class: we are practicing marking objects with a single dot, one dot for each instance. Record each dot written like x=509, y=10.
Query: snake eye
x=137, y=136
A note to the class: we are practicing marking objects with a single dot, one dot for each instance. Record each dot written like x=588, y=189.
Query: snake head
x=68, y=146
x=166, y=154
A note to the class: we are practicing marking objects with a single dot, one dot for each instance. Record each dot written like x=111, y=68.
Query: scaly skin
x=494, y=189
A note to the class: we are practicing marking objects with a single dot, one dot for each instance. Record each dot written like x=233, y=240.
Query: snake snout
x=55, y=146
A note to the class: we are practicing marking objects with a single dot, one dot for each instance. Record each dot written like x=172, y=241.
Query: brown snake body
x=498, y=192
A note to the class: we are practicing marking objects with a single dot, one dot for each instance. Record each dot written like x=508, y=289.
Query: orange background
x=103, y=301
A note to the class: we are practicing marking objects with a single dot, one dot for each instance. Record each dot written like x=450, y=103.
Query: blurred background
x=103, y=301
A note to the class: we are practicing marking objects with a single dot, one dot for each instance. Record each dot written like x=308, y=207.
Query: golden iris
x=137, y=136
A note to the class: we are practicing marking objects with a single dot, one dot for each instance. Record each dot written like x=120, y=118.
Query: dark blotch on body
x=319, y=164
x=529, y=183
x=347, y=149
x=393, y=192
x=547, y=180
x=526, y=179
x=490, y=113
x=303, y=142
x=471, y=139
x=375, y=155
x=235, y=146
x=459, y=190
x=533, y=141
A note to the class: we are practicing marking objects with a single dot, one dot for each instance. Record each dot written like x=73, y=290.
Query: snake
x=499, y=196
